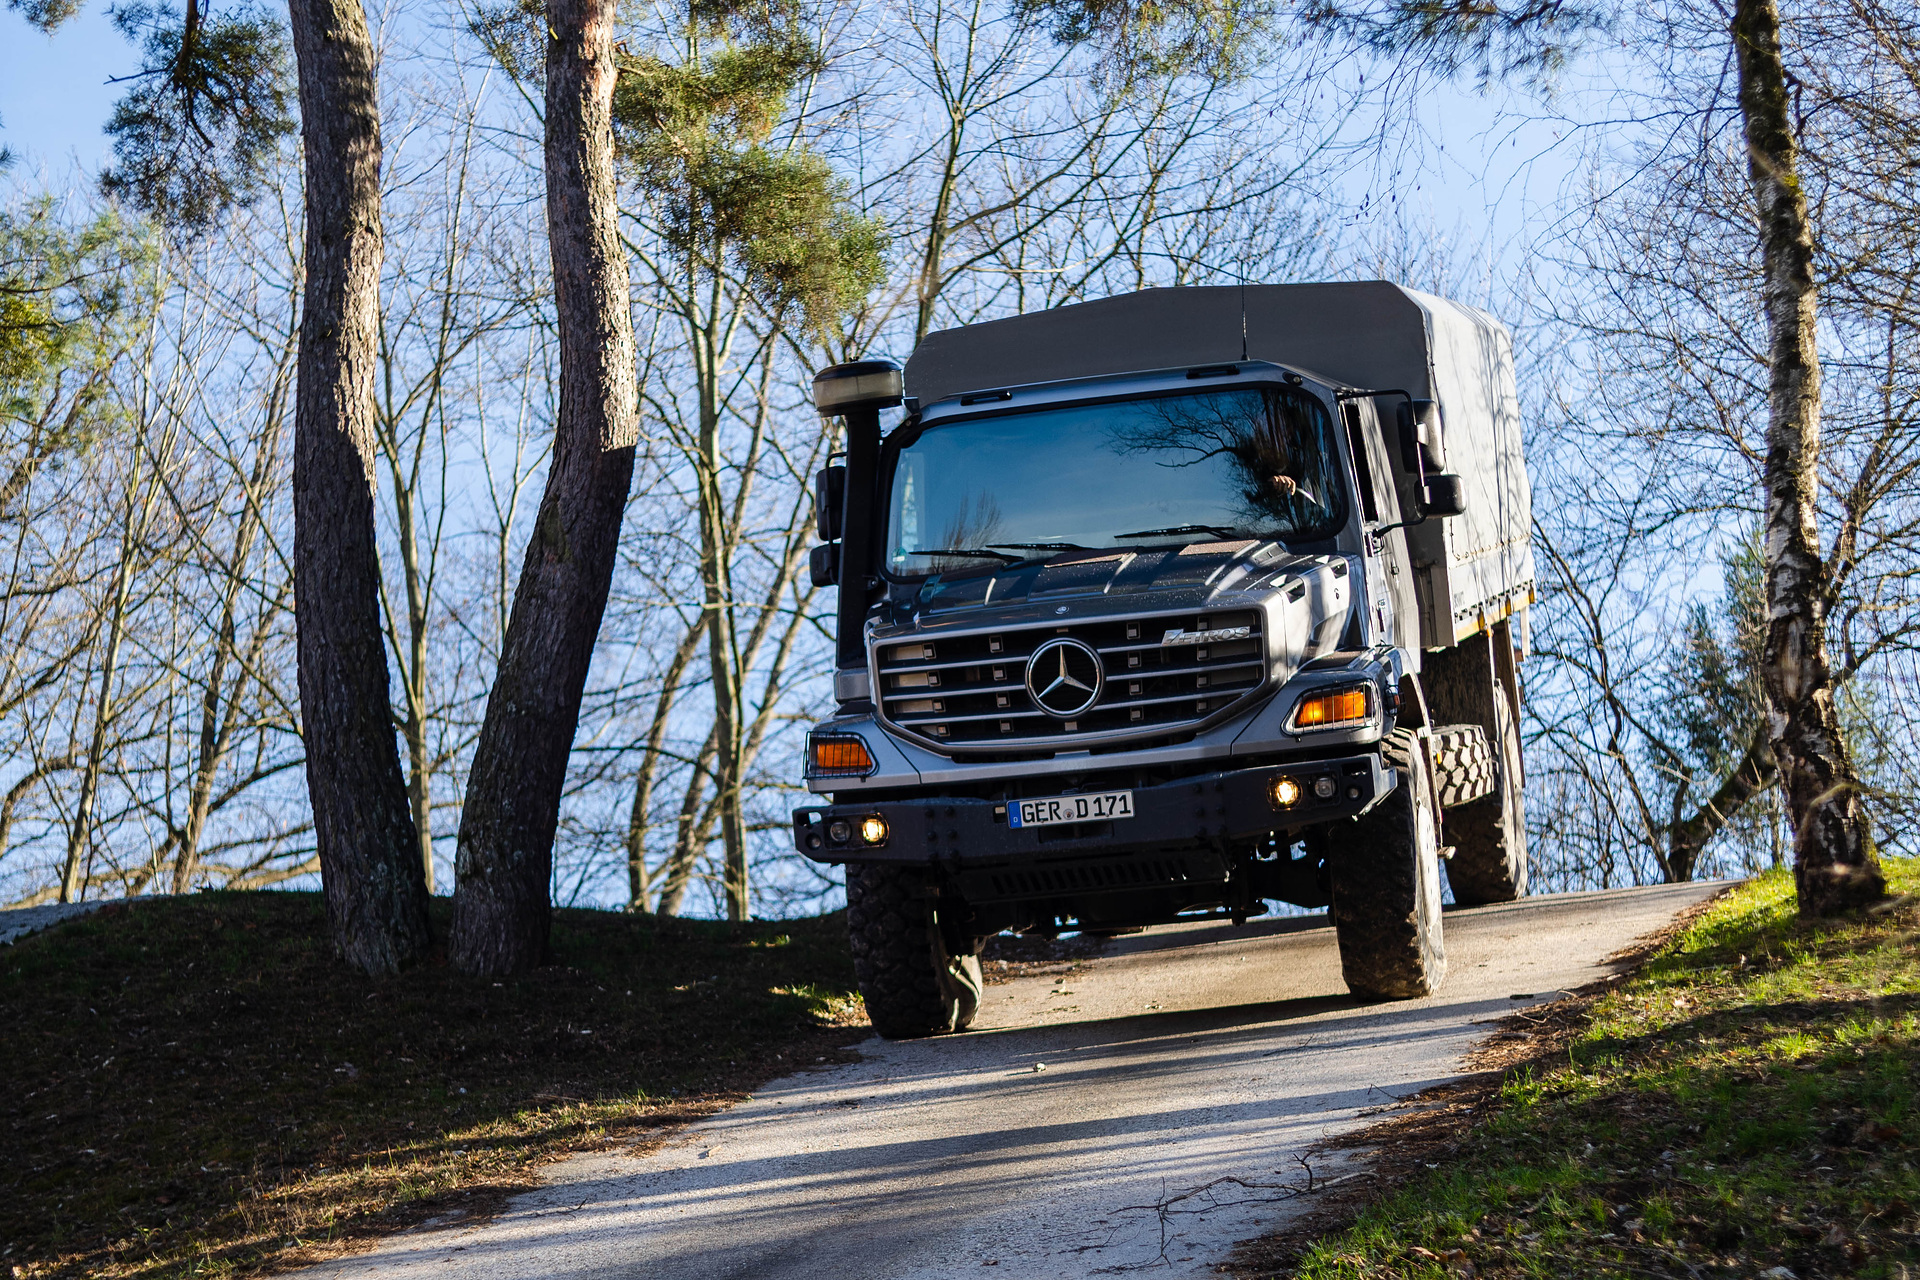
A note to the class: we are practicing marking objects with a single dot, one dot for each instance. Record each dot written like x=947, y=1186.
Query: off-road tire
x=1386, y=887
x=912, y=982
x=1465, y=685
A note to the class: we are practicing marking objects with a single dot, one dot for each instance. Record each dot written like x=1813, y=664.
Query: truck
x=1170, y=606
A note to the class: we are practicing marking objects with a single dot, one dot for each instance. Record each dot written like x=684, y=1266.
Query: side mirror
x=1423, y=447
x=829, y=502
x=823, y=565
x=1446, y=495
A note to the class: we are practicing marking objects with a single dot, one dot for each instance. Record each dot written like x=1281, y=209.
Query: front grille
x=971, y=690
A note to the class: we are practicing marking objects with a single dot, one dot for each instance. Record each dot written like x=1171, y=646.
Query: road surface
x=1039, y=1144
x=18, y=922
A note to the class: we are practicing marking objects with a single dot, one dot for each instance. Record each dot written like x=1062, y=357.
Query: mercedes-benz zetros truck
x=1166, y=606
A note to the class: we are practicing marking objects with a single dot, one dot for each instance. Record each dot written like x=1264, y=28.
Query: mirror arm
x=1379, y=529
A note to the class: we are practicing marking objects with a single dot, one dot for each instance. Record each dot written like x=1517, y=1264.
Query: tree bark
x=369, y=864
x=1835, y=866
x=501, y=906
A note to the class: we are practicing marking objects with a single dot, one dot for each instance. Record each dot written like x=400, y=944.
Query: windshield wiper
x=978, y=552
x=1225, y=531
x=1046, y=546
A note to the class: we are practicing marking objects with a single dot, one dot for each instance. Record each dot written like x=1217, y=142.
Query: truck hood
x=1106, y=582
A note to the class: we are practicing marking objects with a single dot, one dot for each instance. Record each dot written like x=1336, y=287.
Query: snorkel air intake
x=857, y=393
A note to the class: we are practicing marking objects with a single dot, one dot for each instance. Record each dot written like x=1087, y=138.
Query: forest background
x=835, y=185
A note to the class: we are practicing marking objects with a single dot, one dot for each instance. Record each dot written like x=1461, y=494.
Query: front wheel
x=912, y=980
x=1385, y=870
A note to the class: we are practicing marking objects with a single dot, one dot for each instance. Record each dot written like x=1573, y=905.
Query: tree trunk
x=413, y=681
x=505, y=860
x=639, y=884
x=219, y=719
x=723, y=651
x=1835, y=867
x=73, y=880
x=690, y=833
x=369, y=864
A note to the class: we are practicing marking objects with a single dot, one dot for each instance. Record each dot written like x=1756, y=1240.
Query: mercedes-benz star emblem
x=1064, y=677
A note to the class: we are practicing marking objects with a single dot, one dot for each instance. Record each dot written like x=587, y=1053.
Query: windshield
x=1258, y=462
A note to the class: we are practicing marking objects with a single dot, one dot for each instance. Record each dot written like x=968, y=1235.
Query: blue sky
x=1481, y=175
x=54, y=95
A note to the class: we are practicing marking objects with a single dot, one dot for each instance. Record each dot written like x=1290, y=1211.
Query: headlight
x=1333, y=709
x=1284, y=792
x=873, y=829
x=838, y=755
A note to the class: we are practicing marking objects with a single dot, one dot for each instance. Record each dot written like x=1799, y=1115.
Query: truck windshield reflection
x=1207, y=466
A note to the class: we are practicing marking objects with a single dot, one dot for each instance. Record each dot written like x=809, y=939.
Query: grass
x=1746, y=1102
x=193, y=1086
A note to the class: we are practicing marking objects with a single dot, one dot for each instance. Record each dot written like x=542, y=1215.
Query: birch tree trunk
x=1835, y=867
x=369, y=859
x=504, y=868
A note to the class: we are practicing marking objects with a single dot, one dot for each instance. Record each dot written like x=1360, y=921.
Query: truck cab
x=1165, y=607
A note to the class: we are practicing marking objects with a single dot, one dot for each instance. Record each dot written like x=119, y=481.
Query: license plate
x=1097, y=806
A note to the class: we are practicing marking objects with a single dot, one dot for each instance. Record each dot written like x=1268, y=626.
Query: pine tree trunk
x=505, y=860
x=1835, y=868
x=369, y=864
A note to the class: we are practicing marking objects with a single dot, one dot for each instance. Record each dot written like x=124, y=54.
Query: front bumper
x=1215, y=811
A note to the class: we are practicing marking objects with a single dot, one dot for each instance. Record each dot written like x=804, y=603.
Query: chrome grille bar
x=970, y=675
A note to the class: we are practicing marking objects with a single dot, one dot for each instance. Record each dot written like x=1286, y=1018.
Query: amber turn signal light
x=838, y=755
x=1335, y=707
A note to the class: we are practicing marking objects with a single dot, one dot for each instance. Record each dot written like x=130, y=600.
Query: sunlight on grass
x=1747, y=1101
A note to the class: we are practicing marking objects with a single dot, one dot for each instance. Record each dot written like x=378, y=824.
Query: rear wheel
x=914, y=980
x=1469, y=685
x=1386, y=887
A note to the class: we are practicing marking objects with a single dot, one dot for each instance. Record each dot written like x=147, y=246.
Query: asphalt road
x=1040, y=1144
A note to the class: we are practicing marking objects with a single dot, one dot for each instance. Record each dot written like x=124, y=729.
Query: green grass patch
x=194, y=1086
x=1748, y=1101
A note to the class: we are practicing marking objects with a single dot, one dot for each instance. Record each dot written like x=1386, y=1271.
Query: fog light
x=873, y=829
x=839, y=831
x=1323, y=787
x=1284, y=792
